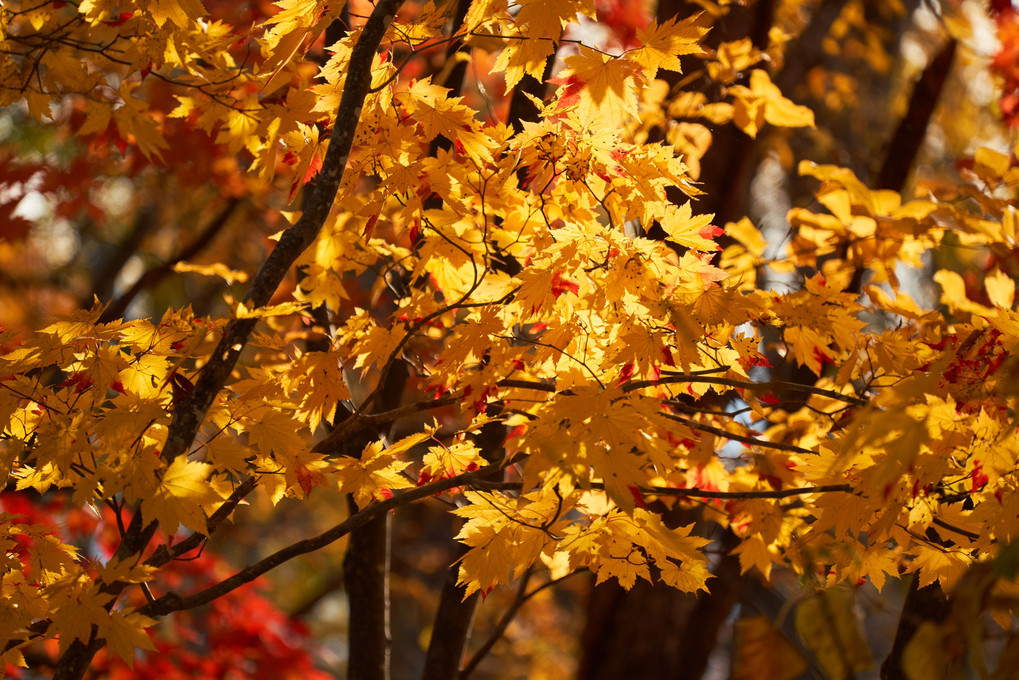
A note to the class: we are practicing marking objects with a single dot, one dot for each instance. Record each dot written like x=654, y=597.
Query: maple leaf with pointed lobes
x=547, y=18
x=378, y=471
x=319, y=381
x=125, y=631
x=663, y=44
x=516, y=531
x=523, y=57
x=688, y=230
x=369, y=477
x=449, y=461
x=934, y=563
x=182, y=496
x=609, y=89
x=439, y=114
x=753, y=552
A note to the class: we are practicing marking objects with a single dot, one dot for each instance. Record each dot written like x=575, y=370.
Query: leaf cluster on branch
x=548, y=277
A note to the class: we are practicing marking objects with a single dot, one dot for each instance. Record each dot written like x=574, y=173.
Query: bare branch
x=695, y=378
x=689, y=493
x=172, y=602
x=752, y=441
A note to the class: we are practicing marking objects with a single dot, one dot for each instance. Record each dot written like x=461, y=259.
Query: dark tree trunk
x=912, y=130
x=366, y=567
x=922, y=604
x=366, y=573
x=452, y=626
x=451, y=630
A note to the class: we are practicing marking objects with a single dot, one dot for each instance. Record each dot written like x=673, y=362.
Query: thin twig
x=507, y=618
x=688, y=493
x=172, y=602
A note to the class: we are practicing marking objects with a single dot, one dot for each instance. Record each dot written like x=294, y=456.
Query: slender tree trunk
x=922, y=604
x=654, y=631
x=366, y=573
x=452, y=626
x=75, y=661
x=450, y=630
x=635, y=634
x=366, y=568
x=912, y=130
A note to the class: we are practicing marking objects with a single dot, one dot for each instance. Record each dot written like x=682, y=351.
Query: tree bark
x=366, y=566
x=654, y=630
x=452, y=626
x=922, y=604
x=912, y=129
x=450, y=630
x=366, y=575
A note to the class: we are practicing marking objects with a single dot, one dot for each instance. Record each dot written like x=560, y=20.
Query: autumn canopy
x=508, y=270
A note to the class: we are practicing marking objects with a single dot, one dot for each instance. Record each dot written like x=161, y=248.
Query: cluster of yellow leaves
x=42, y=578
x=521, y=274
x=85, y=406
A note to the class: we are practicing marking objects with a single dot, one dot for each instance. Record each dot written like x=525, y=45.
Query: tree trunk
x=366, y=573
x=452, y=626
x=922, y=604
x=450, y=630
x=366, y=566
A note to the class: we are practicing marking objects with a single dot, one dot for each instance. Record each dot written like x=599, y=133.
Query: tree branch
x=507, y=618
x=687, y=493
x=164, y=555
x=334, y=441
x=172, y=602
x=189, y=414
x=767, y=386
x=153, y=276
x=694, y=378
x=710, y=429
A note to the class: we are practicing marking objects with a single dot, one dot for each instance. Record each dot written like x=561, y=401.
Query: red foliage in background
x=242, y=636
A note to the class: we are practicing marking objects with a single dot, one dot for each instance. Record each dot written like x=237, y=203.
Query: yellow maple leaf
x=439, y=114
x=935, y=563
x=372, y=476
x=272, y=431
x=506, y=535
x=181, y=497
x=319, y=382
x=523, y=57
x=753, y=552
x=609, y=89
x=451, y=460
x=688, y=230
x=125, y=631
x=663, y=44
x=547, y=18
x=79, y=606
